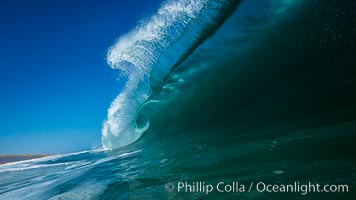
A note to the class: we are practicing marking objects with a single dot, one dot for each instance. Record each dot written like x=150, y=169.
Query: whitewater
x=147, y=55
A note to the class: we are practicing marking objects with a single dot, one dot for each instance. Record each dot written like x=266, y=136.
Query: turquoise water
x=251, y=91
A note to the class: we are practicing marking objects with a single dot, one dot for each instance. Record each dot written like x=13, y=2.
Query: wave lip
x=149, y=53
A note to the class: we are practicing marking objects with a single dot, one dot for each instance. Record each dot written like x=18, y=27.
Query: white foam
x=89, y=190
x=135, y=54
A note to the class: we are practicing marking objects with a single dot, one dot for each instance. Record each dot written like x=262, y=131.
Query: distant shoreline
x=4, y=159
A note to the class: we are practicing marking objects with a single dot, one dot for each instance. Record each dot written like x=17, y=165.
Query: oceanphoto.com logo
x=302, y=188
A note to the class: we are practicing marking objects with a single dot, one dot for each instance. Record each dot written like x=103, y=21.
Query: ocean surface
x=218, y=91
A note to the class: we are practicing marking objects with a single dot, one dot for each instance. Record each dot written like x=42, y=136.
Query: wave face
x=149, y=53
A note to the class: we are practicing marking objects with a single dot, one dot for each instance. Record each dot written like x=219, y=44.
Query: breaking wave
x=149, y=53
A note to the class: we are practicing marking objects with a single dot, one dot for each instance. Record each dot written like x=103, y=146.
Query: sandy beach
x=14, y=158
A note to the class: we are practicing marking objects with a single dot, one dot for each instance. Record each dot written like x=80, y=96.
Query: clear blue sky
x=55, y=84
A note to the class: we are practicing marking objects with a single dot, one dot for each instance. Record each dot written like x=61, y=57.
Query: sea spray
x=149, y=53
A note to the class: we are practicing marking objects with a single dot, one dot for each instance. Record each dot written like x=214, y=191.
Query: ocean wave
x=149, y=53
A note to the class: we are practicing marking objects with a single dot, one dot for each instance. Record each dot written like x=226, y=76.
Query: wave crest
x=149, y=53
